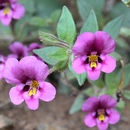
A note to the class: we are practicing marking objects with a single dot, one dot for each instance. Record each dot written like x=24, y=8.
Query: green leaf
x=89, y=91
x=45, y=53
x=110, y=80
x=63, y=88
x=113, y=27
x=5, y=33
x=120, y=106
x=80, y=77
x=91, y=24
x=99, y=83
x=48, y=38
x=116, y=55
x=62, y=65
x=28, y=5
x=122, y=43
x=85, y=6
x=120, y=9
x=111, y=83
x=46, y=7
x=37, y=21
x=66, y=29
x=126, y=94
x=55, y=15
x=77, y=105
x=60, y=54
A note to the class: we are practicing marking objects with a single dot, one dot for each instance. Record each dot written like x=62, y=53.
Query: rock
x=49, y=127
x=5, y=123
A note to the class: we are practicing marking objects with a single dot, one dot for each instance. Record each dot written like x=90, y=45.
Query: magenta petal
x=5, y=19
x=102, y=125
x=13, y=1
x=78, y=65
x=18, y=49
x=90, y=104
x=109, y=64
x=18, y=11
x=33, y=46
x=15, y=46
x=107, y=101
x=104, y=43
x=47, y=92
x=93, y=74
x=114, y=117
x=34, y=68
x=32, y=103
x=12, y=56
x=83, y=44
x=15, y=96
x=89, y=120
x=11, y=67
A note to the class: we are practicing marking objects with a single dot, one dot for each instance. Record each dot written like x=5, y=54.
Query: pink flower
x=100, y=112
x=33, y=46
x=28, y=74
x=10, y=9
x=18, y=50
x=2, y=65
x=91, y=54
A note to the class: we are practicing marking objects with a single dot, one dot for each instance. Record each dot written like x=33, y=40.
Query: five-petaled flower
x=91, y=54
x=100, y=112
x=18, y=50
x=28, y=74
x=10, y=9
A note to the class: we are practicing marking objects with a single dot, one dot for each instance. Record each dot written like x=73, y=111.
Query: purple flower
x=34, y=46
x=28, y=74
x=18, y=50
x=10, y=9
x=100, y=112
x=2, y=65
x=91, y=54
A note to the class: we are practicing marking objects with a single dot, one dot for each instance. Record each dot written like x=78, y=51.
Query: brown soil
x=53, y=113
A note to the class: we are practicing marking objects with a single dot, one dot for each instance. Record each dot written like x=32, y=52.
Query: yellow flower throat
x=101, y=115
x=34, y=86
x=7, y=9
x=93, y=61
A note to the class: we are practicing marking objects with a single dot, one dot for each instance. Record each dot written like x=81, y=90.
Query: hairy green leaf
x=45, y=53
x=113, y=27
x=66, y=29
x=91, y=24
x=77, y=105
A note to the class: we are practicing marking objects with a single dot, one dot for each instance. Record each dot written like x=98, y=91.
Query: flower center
x=6, y=8
x=6, y=11
x=93, y=61
x=101, y=115
x=34, y=86
x=101, y=118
